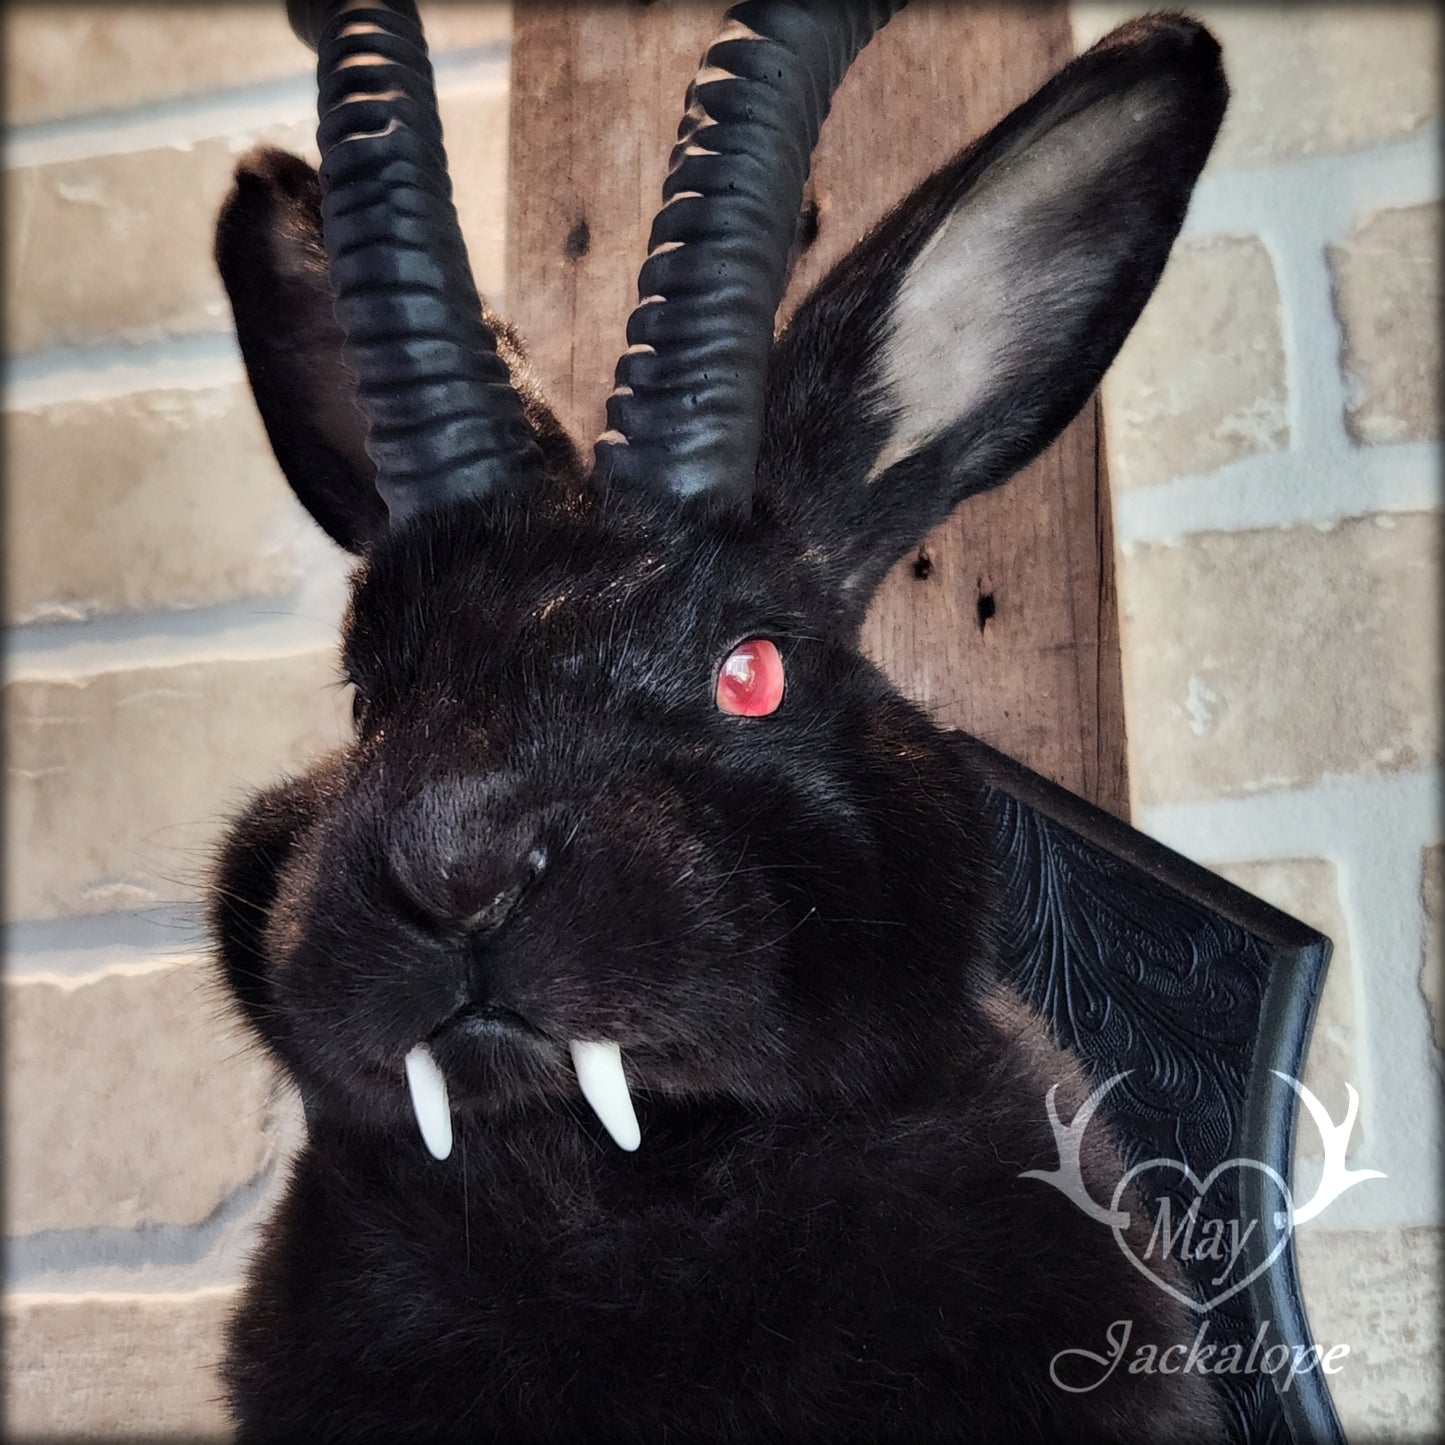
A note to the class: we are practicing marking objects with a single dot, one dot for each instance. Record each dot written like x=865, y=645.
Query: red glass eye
x=750, y=682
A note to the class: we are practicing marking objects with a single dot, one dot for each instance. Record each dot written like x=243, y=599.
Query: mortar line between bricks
x=1313, y=345
x=184, y=361
x=1379, y=877
x=244, y=631
x=1320, y=198
x=86, y=945
x=184, y=121
x=144, y=1257
x=1283, y=489
x=1290, y=822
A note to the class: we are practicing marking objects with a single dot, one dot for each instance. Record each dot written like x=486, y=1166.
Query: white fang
x=429, y=1101
x=604, y=1086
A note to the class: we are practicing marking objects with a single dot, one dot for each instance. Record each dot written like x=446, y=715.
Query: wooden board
x=1005, y=623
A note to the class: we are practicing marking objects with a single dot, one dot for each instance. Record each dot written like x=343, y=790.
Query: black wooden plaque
x=1139, y=960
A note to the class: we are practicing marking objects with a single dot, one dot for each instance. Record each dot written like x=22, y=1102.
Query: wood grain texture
x=1005, y=623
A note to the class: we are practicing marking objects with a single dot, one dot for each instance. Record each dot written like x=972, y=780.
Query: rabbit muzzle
x=487, y=945
x=598, y=1065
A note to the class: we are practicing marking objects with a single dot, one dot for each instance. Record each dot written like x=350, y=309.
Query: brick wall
x=1273, y=431
x=172, y=617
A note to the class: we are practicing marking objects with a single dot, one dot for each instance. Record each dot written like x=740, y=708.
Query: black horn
x=686, y=415
x=444, y=420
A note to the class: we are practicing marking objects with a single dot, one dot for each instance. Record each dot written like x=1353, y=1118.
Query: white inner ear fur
x=1005, y=271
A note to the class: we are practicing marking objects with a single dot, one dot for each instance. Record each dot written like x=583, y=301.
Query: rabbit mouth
x=597, y=1062
x=484, y=1021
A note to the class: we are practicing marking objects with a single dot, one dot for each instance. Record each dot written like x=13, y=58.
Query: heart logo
x=1191, y=1235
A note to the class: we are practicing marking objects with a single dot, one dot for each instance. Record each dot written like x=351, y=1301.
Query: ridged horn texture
x=687, y=412
x=444, y=421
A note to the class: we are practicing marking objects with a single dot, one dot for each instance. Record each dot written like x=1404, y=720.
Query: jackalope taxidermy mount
x=638, y=889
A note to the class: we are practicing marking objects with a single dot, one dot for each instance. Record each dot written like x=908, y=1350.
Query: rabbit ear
x=269, y=251
x=960, y=337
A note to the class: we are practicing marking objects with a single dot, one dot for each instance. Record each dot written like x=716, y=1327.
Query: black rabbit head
x=624, y=799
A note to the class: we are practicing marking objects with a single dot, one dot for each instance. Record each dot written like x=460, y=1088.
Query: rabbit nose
x=472, y=885
x=497, y=902
x=478, y=896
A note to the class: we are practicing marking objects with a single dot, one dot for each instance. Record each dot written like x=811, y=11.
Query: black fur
x=785, y=922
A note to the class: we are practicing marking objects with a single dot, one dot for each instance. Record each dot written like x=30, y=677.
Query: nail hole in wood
x=579, y=241
x=986, y=609
x=808, y=223
x=923, y=566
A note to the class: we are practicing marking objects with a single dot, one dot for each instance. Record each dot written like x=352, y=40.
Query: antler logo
x=1185, y=1229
